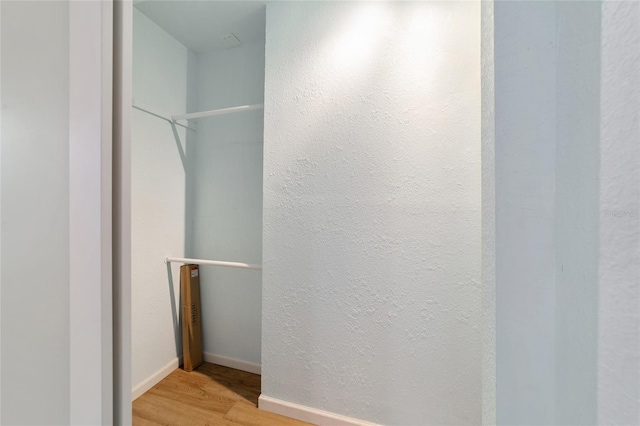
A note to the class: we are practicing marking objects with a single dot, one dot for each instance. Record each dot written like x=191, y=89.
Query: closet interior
x=197, y=135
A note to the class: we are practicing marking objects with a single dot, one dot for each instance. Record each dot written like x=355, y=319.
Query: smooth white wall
x=547, y=103
x=577, y=211
x=371, y=241
x=525, y=151
x=161, y=68
x=619, y=266
x=55, y=207
x=122, y=94
x=35, y=213
x=90, y=215
x=225, y=203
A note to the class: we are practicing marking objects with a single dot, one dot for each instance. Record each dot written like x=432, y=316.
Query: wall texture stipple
x=619, y=266
x=445, y=198
x=371, y=240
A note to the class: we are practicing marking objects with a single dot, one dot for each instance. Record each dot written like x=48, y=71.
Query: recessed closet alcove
x=196, y=183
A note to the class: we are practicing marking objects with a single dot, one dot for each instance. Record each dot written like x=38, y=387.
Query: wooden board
x=191, y=316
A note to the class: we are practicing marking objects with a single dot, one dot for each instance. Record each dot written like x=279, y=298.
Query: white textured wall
x=488, y=216
x=371, y=241
x=226, y=200
x=619, y=266
x=161, y=68
x=35, y=213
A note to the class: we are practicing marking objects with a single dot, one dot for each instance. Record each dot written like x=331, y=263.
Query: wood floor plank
x=139, y=421
x=246, y=415
x=197, y=398
x=240, y=383
x=194, y=377
x=210, y=395
x=169, y=412
x=190, y=390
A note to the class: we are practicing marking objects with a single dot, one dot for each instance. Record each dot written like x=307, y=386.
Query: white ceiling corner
x=201, y=25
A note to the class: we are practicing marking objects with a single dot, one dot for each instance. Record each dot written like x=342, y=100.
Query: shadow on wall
x=176, y=318
x=183, y=156
x=175, y=312
x=175, y=315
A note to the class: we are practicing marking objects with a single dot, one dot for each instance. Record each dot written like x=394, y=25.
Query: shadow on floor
x=243, y=384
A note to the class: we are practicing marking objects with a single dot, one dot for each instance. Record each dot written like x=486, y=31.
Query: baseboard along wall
x=267, y=403
x=307, y=414
x=155, y=378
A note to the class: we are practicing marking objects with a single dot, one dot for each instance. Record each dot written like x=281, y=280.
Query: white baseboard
x=238, y=364
x=307, y=414
x=155, y=378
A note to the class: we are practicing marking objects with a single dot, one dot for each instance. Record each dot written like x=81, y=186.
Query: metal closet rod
x=212, y=112
x=212, y=262
x=177, y=117
x=163, y=115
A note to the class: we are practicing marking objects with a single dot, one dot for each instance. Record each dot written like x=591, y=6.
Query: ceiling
x=201, y=25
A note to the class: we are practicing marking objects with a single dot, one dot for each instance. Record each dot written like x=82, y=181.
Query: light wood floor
x=211, y=395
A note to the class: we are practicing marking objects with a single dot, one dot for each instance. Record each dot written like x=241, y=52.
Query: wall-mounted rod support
x=162, y=115
x=216, y=112
x=212, y=262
